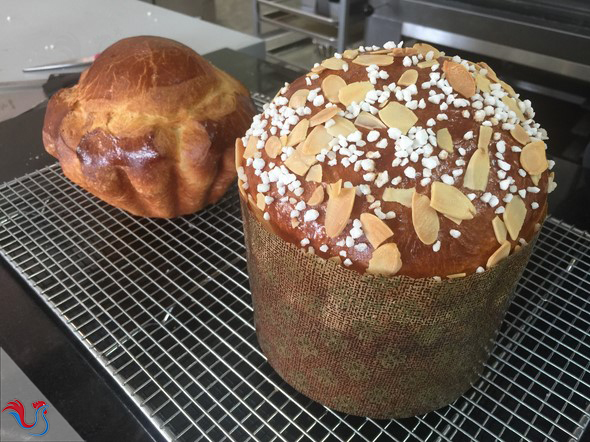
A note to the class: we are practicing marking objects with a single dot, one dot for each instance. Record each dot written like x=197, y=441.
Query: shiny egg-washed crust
x=150, y=128
x=456, y=255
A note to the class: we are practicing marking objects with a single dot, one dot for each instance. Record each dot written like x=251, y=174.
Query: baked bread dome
x=150, y=128
x=398, y=161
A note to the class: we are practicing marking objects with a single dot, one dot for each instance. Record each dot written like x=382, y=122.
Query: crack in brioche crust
x=149, y=128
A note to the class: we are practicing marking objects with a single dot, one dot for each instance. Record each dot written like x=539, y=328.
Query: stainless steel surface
x=515, y=37
x=164, y=306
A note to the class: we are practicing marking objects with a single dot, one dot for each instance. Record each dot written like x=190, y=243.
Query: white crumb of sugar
x=454, y=233
x=373, y=136
x=324, y=248
x=311, y=215
x=410, y=172
x=436, y=246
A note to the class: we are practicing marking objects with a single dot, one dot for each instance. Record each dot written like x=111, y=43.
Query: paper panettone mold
x=391, y=197
x=383, y=347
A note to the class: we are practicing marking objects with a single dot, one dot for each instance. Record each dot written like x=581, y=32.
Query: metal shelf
x=337, y=33
x=285, y=7
x=299, y=24
x=164, y=306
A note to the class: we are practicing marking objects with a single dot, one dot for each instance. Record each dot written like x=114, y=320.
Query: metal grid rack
x=164, y=306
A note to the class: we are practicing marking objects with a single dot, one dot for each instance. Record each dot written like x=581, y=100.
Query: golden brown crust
x=149, y=128
x=452, y=253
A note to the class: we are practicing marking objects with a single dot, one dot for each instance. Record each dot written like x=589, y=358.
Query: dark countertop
x=45, y=349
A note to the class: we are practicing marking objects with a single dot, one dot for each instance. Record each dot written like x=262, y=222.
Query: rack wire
x=164, y=306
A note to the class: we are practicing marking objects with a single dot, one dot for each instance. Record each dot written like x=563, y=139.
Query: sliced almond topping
x=427, y=63
x=508, y=88
x=284, y=139
x=334, y=188
x=449, y=200
x=457, y=275
x=477, y=171
x=517, y=248
x=342, y=126
x=369, y=59
x=533, y=158
x=299, y=163
x=386, y=260
x=251, y=147
x=444, y=140
x=323, y=115
x=251, y=203
x=331, y=86
x=459, y=78
x=354, y=92
x=333, y=63
x=298, y=99
x=318, y=69
x=485, y=135
x=398, y=52
x=298, y=133
x=273, y=146
x=316, y=141
x=350, y=53
x=402, y=196
x=239, y=152
x=491, y=74
x=375, y=229
x=380, y=51
x=520, y=135
x=455, y=220
x=499, y=229
x=369, y=121
x=260, y=201
x=502, y=252
x=317, y=197
x=424, y=219
x=425, y=48
x=241, y=189
x=314, y=174
x=408, y=77
x=398, y=116
x=514, y=216
x=482, y=83
x=511, y=103
x=295, y=222
x=535, y=179
x=338, y=211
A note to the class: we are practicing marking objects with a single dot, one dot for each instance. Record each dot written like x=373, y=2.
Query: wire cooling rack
x=164, y=305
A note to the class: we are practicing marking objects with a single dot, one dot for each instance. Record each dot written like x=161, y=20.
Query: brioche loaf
x=149, y=128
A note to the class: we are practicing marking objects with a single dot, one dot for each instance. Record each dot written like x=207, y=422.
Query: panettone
x=391, y=199
x=399, y=161
x=150, y=128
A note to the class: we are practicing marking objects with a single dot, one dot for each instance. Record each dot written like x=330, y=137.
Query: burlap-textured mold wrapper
x=369, y=345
